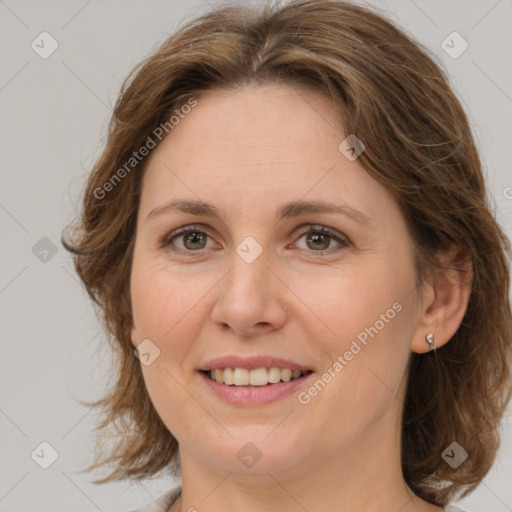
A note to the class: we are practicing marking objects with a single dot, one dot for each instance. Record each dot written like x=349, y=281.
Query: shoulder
x=162, y=503
x=453, y=508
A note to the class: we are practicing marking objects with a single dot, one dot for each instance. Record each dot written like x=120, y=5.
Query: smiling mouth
x=258, y=377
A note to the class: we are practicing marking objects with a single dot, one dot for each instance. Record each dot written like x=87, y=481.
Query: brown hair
x=418, y=145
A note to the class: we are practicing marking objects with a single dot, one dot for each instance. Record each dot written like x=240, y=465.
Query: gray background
x=53, y=120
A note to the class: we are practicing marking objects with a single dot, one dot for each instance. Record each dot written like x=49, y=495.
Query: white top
x=163, y=503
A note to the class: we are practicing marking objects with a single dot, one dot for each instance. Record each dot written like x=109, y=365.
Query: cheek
x=352, y=300
x=161, y=299
x=180, y=412
x=367, y=318
x=164, y=304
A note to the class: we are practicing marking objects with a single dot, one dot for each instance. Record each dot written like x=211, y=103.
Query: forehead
x=251, y=124
x=256, y=145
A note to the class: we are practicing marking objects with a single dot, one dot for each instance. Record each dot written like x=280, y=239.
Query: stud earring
x=430, y=340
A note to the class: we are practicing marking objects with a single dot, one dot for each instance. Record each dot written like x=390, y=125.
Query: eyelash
x=317, y=229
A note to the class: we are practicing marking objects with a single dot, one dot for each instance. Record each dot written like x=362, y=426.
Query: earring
x=430, y=340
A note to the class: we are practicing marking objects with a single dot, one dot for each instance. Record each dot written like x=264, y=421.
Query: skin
x=247, y=152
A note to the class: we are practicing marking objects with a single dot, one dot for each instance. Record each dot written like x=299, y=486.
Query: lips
x=252, y=363
x=256, y=380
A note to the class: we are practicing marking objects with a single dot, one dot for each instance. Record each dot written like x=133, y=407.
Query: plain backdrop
x=53, y=120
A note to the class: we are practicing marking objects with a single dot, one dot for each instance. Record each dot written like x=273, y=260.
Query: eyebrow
x=286, y=211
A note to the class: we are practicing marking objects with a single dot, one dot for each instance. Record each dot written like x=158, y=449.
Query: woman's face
x=261, y=283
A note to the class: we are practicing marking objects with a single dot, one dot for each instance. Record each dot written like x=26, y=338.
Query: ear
x=444, y=300
x=135, y=336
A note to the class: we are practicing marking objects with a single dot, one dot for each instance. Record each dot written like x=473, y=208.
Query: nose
x=250, y=298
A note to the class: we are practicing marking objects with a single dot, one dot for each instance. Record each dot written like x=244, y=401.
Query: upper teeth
x=257, y=377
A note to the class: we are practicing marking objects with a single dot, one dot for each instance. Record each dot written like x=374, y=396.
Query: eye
x=320, y=239
x=193, y=239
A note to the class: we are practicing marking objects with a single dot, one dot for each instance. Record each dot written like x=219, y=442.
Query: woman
x=289, y=239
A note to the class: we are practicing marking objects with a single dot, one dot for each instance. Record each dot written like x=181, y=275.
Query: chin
x=254, y=453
